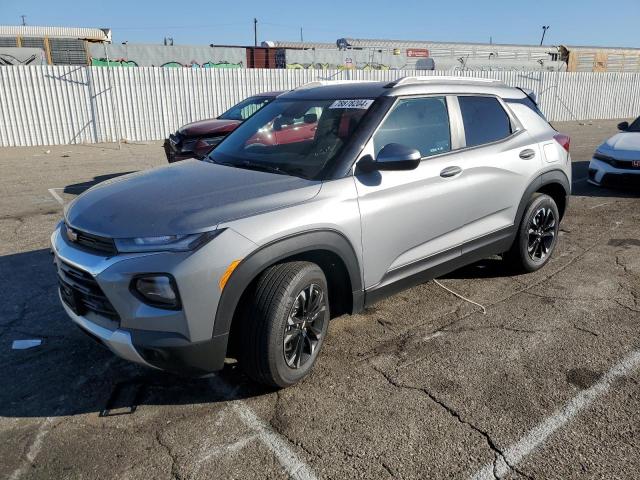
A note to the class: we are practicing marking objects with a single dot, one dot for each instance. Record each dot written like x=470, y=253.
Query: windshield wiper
x=249, y=165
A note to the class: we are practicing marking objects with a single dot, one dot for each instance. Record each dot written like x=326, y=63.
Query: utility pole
x=24, y=20
x=255, y=32
x=544, y=31
x=301, y=37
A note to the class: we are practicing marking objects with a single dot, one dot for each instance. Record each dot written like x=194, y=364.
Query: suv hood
x=208, y=127
x=623, y=146
x=182, y=198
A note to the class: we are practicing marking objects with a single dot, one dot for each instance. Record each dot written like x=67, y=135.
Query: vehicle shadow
x=78, y=188
x=69, y=374
x=582, y=188
x=492, y=267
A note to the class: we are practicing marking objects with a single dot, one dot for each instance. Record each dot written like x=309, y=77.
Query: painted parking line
x=541, y=433
x=55, y=195
x=33, y=450
x=47, y=424
x=276, y=443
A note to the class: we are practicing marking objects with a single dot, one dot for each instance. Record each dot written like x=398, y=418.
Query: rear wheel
x=284, y=328
x=537, y=234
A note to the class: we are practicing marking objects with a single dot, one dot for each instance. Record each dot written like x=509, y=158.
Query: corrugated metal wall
x=48, y=105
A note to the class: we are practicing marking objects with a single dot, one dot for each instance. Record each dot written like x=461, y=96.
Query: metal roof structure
x=302, y=45
x=592, y=48
x=465, y=51
x=381, y=43
x=94, y=34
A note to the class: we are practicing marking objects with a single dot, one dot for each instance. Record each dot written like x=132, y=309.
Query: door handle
x=527, y=154
x=450, y=172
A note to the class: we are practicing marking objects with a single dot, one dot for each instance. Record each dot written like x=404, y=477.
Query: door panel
x=497, y=177
x=500, y=166
x=409, y=215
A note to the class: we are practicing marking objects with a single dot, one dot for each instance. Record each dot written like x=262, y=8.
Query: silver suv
x=249, y=253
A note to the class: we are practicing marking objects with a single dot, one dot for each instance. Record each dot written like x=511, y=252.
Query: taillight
x=562, y=139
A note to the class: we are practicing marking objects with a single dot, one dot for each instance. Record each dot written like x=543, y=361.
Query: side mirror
x=277, y=124
x=311, y=118
x=623, y=126
x=395, y=156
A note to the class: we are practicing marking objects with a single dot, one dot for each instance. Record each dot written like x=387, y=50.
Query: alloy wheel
x=542, y=232
x=305, y=325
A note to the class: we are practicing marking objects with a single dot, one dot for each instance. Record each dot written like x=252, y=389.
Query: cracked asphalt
x=423, y=385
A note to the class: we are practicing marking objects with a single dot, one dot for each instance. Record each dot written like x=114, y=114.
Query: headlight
x=604, y=158
x=188, y=145
x=211, y=142
x=158, y=290
x=166, y=243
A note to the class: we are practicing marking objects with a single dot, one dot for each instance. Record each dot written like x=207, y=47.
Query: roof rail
x=320, y=83
x=440, y=78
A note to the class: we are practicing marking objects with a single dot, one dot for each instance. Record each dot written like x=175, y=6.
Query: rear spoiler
x=529, y=93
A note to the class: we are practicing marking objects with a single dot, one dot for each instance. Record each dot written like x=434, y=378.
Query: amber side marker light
x=227, y=273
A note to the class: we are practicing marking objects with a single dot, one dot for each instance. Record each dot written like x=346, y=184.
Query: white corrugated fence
x=51, y=105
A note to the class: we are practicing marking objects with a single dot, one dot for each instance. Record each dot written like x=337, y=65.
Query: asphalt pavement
x=423, y=385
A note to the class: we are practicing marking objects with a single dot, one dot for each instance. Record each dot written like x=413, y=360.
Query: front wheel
x=537, y=235
x=285, y=326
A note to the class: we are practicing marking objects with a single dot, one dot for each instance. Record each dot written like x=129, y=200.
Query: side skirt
x=440, y=264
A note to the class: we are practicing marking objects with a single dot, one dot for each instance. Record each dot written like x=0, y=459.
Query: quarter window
x=484, y=120
x=420, y=123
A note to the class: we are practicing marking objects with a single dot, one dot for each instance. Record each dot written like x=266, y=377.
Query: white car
x=617, y=161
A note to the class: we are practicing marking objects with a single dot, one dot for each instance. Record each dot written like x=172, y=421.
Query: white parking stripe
x=55, y=195
x=279, y=445
x=34, y=449
x=295, y=467
x=538, y=435
x=46, y=425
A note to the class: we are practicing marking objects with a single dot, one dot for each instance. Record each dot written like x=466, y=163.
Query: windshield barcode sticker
x=358, y=103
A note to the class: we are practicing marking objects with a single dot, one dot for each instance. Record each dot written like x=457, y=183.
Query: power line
x=176, y=27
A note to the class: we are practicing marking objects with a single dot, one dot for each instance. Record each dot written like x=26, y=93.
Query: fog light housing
x=158, y=290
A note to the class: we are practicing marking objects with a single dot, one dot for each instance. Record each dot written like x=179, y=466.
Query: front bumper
x=118, y=341
x=173, y=153
x=180, y=341
x=605, y=175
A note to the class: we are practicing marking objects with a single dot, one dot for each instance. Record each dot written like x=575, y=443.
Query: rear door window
x=484, y=120
x=420, y=123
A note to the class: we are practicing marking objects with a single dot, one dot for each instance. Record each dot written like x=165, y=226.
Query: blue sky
x=193, y=22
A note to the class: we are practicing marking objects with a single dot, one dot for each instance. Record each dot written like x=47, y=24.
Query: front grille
x=621, y=180
x=81, y=292
x=93, y=242
x=623, y=164
x=175, y=139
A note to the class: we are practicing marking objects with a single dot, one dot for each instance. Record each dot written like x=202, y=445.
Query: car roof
x=269, y=94
x=348, y=89
x=337, y=89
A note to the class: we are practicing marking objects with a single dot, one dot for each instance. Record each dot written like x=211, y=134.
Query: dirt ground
x=423, y=385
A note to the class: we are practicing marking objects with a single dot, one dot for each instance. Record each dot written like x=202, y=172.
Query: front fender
x=269, y=254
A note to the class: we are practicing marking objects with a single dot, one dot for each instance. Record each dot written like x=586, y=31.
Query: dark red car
x=197, y=139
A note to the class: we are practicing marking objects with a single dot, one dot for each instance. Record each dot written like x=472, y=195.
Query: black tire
x=264, y=355
x=537, y=235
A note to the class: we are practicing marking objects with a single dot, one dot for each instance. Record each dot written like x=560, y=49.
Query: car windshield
x=245, y=108
x=635, y=126
x=292, y=137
